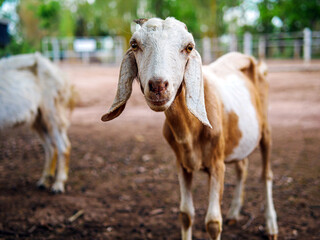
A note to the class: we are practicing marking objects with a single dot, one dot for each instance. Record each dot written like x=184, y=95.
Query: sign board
x=84, y=45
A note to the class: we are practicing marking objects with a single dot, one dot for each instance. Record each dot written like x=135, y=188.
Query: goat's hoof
x=57, y=188
x=41, y=187
x=56, y=191
x=231, y=222
x=273, y=237
x=214, y=229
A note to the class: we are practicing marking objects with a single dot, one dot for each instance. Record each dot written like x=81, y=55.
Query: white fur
x=186, y=204
x=237, y=200
x=162, y=43
x=236, y=98
x=236, y=204
x=270, y=212
x=19, y=97
x=31, y=85
x=214, y=212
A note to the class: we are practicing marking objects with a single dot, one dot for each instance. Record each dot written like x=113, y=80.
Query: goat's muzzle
x=158, y=92
x=158, y=86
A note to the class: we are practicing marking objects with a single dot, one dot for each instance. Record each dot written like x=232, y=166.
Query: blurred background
x=123, y=178
x=99, y=30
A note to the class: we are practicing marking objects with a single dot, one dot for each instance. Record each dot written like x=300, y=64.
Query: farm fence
x=294, y=45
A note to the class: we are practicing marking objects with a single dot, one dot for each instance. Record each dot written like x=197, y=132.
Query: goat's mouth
x=158, y=102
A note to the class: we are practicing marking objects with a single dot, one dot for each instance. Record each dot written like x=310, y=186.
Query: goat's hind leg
x=42, y=129
x=270, y=212
x=237, y=201
x=48, y=172
x=63, y=153
x=186, y=204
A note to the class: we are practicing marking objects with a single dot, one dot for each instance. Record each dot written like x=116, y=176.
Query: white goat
x=215, y=114
x=33, y=92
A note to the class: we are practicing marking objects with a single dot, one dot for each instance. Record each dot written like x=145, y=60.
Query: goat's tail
x=262, y=69
x=262, y=84
x=257, y=72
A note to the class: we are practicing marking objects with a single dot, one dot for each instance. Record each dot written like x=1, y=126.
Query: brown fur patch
x=53, y=163
x=73, y=99
x=231, y=222
x=40, y=125
x=232, y=133
x=67, y=160
x=185, y=220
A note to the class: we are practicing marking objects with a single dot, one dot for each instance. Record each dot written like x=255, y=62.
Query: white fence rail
x=297, y=45
x=108, y=50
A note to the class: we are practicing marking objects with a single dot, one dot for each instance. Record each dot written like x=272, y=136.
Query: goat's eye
x=134, y=46
x=189, y=48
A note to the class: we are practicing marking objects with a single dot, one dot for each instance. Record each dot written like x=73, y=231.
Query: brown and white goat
x=215, y=114
x=34, y=92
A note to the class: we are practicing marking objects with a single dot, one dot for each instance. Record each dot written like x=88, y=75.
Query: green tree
x=294, y=14
x=298, y=14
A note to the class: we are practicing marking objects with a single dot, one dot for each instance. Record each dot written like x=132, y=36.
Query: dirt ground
x=123, y=174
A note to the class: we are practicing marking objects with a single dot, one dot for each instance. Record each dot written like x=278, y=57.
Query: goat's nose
x=158, y=85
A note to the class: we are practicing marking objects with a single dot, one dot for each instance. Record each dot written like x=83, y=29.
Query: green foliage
x=299, y=14
x=294, y=14
x=66, y=24
x=17, y=47
x=41, y=18
x=267, y=12
x=48, y=14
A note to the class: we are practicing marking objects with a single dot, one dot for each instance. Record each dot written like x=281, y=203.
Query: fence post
x=45, y=50
x=233, y=43
x=296, y=47
x=118, y=49
x=55, y=49
x=262, y=47
x=247, y=43
x=206, y=50
x=307, y=37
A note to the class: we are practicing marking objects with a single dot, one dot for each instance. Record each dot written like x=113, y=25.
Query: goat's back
x=30, y=83
x=238, y=63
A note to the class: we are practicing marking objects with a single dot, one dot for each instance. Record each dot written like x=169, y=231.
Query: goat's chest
x=241, y=126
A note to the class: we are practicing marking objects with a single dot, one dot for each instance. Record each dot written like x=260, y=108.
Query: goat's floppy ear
x=128, y=72
x=194, y=88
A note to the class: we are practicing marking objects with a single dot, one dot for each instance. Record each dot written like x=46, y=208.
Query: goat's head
x=161, y=56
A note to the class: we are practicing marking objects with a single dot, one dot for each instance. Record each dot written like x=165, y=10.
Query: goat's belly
x=250, y=135
x=242, y=116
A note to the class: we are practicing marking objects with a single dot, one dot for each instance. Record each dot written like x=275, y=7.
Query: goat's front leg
x=236, y=204
x=214, y=218
x=63, y=146
x=186, y=204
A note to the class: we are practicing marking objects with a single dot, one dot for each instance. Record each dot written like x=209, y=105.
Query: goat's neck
x=182, y=123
